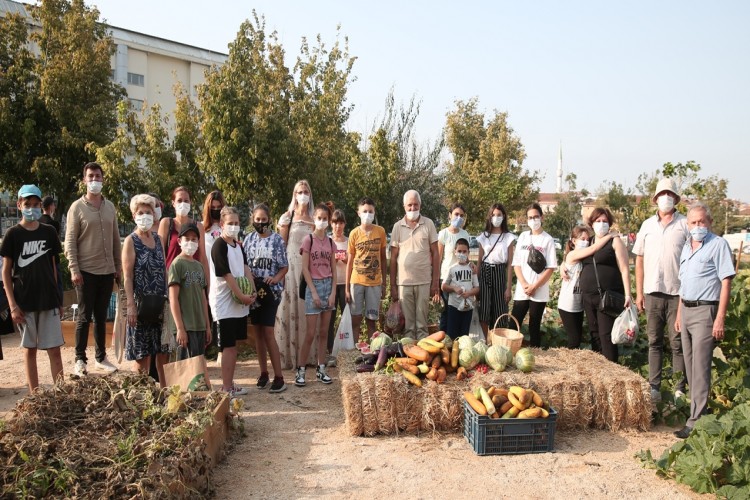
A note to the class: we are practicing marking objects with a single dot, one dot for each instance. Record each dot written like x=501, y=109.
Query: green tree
x=566, y=215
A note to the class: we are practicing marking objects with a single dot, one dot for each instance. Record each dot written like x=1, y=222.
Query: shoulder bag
x=536, y=260
x=611, y=303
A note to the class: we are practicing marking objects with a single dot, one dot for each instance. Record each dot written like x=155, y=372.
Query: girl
x=532, y=288
x=319, y=270
x=266, y=258
x=496, y=245
x=338, y=224
x=294, y=226
x=212, y=206
x=447, y=238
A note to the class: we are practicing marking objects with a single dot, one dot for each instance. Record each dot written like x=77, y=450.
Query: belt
x=696, y=303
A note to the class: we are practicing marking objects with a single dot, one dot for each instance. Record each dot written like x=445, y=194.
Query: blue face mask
x=457, y=221
x=698, y=233
x=31, y=214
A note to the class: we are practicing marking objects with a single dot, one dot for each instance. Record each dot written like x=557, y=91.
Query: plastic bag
x=475, y=328
x=344, y=335
x=120, y=324
x=394, y=319
x=625, y=329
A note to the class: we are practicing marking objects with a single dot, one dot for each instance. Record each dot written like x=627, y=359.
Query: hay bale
x=431, y=407
x=384, y=394
x=352, y=401
x=370, y=425
x=450, y=397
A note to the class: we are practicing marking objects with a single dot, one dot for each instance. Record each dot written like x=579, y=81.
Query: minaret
x=559, y=170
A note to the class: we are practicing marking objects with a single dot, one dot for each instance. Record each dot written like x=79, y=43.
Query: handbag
x=190, y=374
x=536, y=260
x=150, y=308
x=611, y=303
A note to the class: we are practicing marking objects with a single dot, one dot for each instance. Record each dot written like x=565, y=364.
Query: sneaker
x=278, y=385
x=679, y=394
x=106, y=366
x=655, y=396
x=684, y=432
x=322, y=375
x=299, y=378
x=236, y=390
x=262, y=380
x=80, y=368
x=331, y=362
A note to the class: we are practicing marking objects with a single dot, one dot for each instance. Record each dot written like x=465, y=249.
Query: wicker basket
x=506, y=337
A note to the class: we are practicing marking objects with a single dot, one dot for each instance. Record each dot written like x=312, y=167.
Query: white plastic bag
x=344, y=335
x=625, y=329
x=119, y=327
x=475, y=329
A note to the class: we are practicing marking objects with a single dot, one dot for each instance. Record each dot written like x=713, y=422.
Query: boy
x=187, y=299
x=365, y=272
x=462, y=285
x=30, y=281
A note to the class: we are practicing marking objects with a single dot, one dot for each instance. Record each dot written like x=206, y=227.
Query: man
x=414, y=265
x=706, y=274
x=92, y=246
x=48, y=213
x=657, y=263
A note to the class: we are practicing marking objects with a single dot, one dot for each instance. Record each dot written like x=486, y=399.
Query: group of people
x=181, y=280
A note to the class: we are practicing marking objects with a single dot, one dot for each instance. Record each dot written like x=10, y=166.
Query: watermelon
x=525, y=360
x=380, y=340
x=246, y=287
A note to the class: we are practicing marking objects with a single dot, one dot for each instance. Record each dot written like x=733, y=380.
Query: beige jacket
x=92, y=238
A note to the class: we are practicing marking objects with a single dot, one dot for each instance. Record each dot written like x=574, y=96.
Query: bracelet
x=14, y=309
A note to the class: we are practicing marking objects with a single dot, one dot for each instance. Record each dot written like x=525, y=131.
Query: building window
x=135, y=79
x=136, y=104
x=112, y=74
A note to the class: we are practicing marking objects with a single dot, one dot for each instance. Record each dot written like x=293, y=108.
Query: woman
x=532, y=288
x=143, y=270
x=338, y=225
x=496, y=246
x=212, y=230
x=610, y=262
x=294, y=226
x=266, y=257
x=447, y=238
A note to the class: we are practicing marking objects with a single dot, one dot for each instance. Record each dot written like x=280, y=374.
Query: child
x=187, y=299
x=462, y=285
x=319, y=271
x=338, y=224
x=365, y=271
x=30, y=280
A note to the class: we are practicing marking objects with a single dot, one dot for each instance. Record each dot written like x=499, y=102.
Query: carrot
x=408, y=361
x=445, y=355
x=432, y=374
x=409, y=368
x=442, y=374
x=437, y=336
x=474, y=403
x=416, y=352
x=436, y=361
x=461, y=374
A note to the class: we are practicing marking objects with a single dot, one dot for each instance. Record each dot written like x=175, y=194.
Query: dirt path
x=297, y=447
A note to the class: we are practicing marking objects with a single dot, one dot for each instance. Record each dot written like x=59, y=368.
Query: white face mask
x=601, y=228
x=497, y=220
x=144, y=221
x=303, y=199
x=189, y=247
x=665, y=203
x=412, y=215
x=462, y=258
x=321, y=224
x=157, y=213
x=366, y=217
x=232, y=231
x=535, y=224
x=182, y=208
x=94, y=187
x=581, y=244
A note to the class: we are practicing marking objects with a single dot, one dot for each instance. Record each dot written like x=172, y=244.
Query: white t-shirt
x=570, y=298
x=225, y=259
x=461, y=275
x=545, y=244
x=499, y=254
x=449, y=240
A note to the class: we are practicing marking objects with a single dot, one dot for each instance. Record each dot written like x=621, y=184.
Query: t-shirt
x=341, y=249
x=33, y=254
x=545, y=244
x=414, y=251
x=320, y=251
x=188, y=275
x=46, y=219
x=449, y=240
x=495, y=253
x=365, y=247
x=461, y=275
x=225, y=259
x=570, y=298
x=266, y=257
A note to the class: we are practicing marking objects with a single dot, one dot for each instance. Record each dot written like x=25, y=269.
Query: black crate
x=494, y=436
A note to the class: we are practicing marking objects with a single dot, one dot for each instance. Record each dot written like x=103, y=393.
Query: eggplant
x=382, y=358
x=359, y=359
x=400, y=347
x=370, y=359
x=392, y=349
x=365, y=368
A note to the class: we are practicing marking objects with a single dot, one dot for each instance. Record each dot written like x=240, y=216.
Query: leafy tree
x=621, y=203
x=566, y=215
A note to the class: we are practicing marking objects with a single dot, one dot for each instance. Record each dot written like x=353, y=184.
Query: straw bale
x=617, y=403
x=430, y=407
x=384, y=395
x=352, y=401
x=369, y=405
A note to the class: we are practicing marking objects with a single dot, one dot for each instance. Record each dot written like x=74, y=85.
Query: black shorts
x=230, y=330
x=265, y=315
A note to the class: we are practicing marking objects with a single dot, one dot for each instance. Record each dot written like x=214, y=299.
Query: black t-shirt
x=606, y=266
x=33, y=254
x=46, y=219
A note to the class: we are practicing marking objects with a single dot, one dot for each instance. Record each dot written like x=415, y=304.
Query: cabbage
x=497, y=357
x=525, y=360
x=465, y=342
x=481, y=349
x=468, y=358
x=380, y=340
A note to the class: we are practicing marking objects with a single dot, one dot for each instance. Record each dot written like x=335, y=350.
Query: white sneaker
x=80, y=368
x=106, y=366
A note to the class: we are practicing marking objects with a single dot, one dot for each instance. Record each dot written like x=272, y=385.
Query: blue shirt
x=265, y=257
x=702, y=270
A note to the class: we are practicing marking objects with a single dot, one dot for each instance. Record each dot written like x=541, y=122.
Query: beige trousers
x=415, y=304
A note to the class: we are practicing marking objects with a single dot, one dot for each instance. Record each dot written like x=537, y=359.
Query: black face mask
x=261, y=227
x=215, y=214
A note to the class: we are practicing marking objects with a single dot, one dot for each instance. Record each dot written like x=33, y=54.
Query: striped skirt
x=492, y=283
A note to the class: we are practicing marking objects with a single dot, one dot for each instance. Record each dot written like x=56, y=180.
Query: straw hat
x=666, y=184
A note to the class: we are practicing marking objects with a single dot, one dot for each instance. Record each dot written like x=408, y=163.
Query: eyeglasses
x=536, y=217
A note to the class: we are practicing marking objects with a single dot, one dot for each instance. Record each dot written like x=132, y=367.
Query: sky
x=623, y=87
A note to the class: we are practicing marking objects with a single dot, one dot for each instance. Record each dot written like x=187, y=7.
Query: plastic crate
x=492, y=436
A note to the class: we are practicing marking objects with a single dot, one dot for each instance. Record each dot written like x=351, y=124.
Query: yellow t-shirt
x=365, y=248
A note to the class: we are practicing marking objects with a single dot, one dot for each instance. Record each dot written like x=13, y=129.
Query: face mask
x=94, y=187
x=457, y=221
x=665, y=203
x=157, y=213
x=31, y=214
x=182, y=209
x=366, y=218
x=535, y=224
x=497, y=220
x=215, y=213
x=462, y=258
x=698, y=233
x=144, y=222
x=261, y=227
x=303, y=199
x=601, y=228
x=321, y=224
x=232, y=231
x=581, y=244
x=189, y=247
x=413, y=215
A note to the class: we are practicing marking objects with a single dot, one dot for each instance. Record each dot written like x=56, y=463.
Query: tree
x=486, y=165
x=567, y=214
x=621, y=203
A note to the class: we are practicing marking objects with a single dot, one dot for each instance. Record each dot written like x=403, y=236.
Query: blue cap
x=29, y=190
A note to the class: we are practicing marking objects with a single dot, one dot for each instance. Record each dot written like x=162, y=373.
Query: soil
x=297, y=446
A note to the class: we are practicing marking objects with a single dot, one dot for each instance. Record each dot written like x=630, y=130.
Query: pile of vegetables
x=513, y=402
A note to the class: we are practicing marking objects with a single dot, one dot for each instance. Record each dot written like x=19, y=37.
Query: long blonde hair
x=310, y=204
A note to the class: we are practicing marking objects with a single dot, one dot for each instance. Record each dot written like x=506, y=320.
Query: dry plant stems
x=118, y=436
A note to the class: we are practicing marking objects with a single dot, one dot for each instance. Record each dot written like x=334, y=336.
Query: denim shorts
x=324, y=288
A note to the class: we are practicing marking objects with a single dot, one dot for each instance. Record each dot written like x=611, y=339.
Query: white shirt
x=499, y=254
x=660, y=248
x=570, y=298
x=544, y=243
x=219, y=294
x=449, y=240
